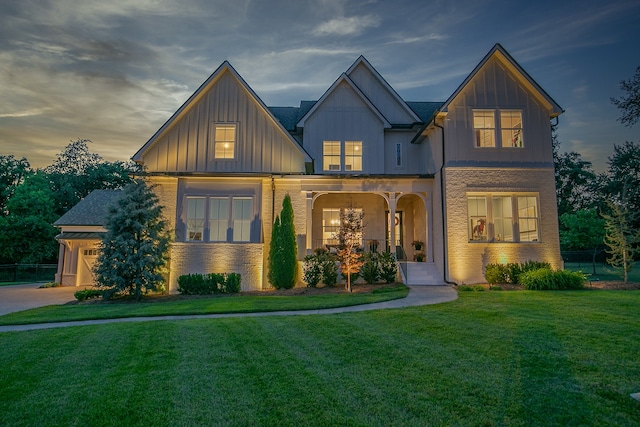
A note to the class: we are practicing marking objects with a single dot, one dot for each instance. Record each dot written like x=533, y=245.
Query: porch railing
x=367, y=245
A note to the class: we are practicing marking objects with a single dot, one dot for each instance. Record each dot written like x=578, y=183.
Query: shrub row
x=510, y=273
x=86, y=294
x=212, y=283
x=322, y=267
x=547, y=279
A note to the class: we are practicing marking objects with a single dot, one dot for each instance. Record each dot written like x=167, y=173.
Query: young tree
x=283, y=252
x=620, y=239
x=629, y=103
x=350, y=237
x=134, y=250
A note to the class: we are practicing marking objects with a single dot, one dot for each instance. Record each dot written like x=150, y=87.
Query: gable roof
x=523, y=77
x=92, y=210
x=344, y=78
x=225, y=67
x=362, y=61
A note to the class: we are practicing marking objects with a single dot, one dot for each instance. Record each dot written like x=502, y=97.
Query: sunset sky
x=113, y=71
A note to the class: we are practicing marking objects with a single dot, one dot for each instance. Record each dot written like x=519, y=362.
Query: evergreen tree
x=134, y=250
x=283, y=252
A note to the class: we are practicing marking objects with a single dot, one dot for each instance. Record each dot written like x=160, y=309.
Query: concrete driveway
x=22, y=297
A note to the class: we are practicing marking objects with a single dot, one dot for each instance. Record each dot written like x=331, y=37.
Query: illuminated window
x=331, y=156
x=503, y=218
x=353, y=155
x=225, y=141
x=195, y=218
x=330, y=225
x=228, y=219
x=218, y=219
x=511, y=128
x=484, y=126
x=242, y=214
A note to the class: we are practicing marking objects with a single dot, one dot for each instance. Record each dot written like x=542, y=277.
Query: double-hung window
x=510, y=130
x=219, y=218
x=500, y=217
x=225, y=141
x=333, y=156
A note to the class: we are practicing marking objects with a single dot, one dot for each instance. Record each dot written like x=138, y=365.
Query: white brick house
x=471, y=177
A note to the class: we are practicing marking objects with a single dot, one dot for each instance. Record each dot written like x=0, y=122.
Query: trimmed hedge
x=510, y=273
x=86, y=294
x=547, y=279
x=212, y=283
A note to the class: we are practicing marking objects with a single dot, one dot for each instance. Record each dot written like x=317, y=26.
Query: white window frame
x=504, y=127
x=524, y=219
x=353, y=156
x=224, y=146
x=331, y=156
x=337, y=155
x=226, y=219
x=195, y=225
x=511, y=133
x=484, y=129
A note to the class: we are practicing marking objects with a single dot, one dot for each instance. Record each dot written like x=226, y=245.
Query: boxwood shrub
x=212, y=283
x=510, y=273
x=547, y=279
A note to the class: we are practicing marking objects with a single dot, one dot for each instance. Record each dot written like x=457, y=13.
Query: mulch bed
x=604, y=285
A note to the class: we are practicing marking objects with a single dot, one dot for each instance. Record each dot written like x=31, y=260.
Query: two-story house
x=471, y=177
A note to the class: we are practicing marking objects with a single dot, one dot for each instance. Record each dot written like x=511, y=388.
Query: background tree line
x=32, y=199
x=600, y=211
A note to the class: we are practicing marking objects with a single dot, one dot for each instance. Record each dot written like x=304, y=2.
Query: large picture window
x=503, y=217
x=219, y=219
x=225, y=141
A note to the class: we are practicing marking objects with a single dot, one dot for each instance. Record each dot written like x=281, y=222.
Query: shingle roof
x=92, y=210
x=424, y=110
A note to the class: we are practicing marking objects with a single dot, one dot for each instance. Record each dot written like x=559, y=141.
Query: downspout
x=444, y=225
x=273, y=199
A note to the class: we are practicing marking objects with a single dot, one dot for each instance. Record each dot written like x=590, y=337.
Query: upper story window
x=225, y=141
x=511, y=128
x=484, y=128
x=333, y=159
x=500, y=217
x=353, y=155
x=331, y=156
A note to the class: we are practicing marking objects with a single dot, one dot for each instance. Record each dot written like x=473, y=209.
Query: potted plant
x=419, y=256
x=417, y=244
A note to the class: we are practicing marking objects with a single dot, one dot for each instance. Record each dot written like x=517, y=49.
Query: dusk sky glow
x=114, y=71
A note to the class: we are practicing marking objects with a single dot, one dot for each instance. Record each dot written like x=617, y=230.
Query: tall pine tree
x=283, y=252
x=134, y=250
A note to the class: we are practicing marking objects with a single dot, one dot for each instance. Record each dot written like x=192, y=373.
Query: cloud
x=345, y=26
x=418, y=39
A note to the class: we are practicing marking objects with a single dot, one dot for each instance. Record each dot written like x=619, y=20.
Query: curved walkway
x=418, y=295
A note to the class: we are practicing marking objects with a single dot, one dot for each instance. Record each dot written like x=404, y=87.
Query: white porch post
x=309, y=222
x=429, y=227
x=392, y=222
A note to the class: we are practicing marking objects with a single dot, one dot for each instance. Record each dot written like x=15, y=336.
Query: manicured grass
x=489, y=358
x=212, y=305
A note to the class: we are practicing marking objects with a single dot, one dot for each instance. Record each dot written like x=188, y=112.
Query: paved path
x=23, y=297
x=418, y=295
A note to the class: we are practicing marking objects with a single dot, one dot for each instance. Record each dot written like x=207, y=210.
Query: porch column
x=309, y=222
x=392, y=222
x=429, y=227
x=58, y=275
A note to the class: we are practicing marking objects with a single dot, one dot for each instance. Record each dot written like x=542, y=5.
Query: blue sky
x=115, y=71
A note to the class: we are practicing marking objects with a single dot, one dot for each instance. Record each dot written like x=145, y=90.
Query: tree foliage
x=630, y=102
x=621, y=183
x=283, y=252
x=12, y=174
x=575, y=180
x=76, y=172
x=350, y=237
x=134, y=250
x=583, y=231
x=621, y=238
x=26, y=233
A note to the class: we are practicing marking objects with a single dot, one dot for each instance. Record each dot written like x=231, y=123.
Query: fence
x=27, y=272
x=585, y=261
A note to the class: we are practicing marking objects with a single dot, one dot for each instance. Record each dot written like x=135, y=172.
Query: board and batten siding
x=390, y=107
x=495, y=88
x=343, y=116
x=188, y=144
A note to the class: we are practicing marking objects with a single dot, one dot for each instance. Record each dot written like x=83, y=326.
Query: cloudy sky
x=114, y=71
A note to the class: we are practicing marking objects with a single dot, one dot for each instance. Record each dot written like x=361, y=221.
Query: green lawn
x=208, y=305
x=603, y=272
x=489, y=358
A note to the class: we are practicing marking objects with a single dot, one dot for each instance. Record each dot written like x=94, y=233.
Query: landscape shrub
x=388, y=267
x=370, y=270
x=320, y=267
x=212, y=283
x=547, y=279
x=495, y=273
x=86, y=294
x=510, y=273
x=329, y=271
x=312, y=270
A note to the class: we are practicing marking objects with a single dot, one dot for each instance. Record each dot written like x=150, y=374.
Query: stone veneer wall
x=243, y=258
x=467, y=260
